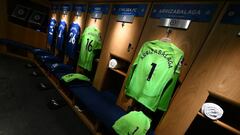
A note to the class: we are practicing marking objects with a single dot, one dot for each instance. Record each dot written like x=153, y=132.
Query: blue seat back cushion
x=50, y=59
x=19, y=45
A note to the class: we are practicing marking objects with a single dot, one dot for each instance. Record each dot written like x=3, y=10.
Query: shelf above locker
x=228, y=123
x=222, y=124
x=97, y=60
x=118, y=65
x=119, y=72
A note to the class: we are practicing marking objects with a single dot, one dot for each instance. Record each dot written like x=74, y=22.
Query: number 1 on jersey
x=151, y=71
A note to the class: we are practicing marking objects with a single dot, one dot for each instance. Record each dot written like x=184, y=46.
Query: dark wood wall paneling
x=23, y=30
x=3, y=19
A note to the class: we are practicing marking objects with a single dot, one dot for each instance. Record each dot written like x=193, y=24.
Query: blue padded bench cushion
x=100, y=104
x=35, y=51
x=41, y=52
x=16, y=44
x=19, y=45
x=48, y=59
x=105, y=111
x=108, y=95
x=59, y=67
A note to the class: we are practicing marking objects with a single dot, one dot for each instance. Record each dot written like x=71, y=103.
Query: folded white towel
x=212, y=111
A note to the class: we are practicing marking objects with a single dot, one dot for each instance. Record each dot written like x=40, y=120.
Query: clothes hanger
x=167, y=39
x=77, y=19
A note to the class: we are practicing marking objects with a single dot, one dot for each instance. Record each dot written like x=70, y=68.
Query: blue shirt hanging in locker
x=74, y=34
x=61, y=35
x=51, y=31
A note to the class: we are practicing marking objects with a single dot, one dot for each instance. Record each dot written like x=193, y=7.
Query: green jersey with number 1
x=154, y=74
x=90, y=42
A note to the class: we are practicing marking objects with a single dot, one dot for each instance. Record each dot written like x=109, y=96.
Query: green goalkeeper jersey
x=133, y=123
x=74, y=76
x=90, y=42
x=154, y=74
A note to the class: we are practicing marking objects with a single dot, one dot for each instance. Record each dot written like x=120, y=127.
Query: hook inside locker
x=129, y=47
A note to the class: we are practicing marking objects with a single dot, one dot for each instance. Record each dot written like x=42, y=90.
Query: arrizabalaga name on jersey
x=92, y=34
x=159, y=52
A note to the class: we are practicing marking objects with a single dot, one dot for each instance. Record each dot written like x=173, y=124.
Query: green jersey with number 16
x=154, y=74
x=90, y=42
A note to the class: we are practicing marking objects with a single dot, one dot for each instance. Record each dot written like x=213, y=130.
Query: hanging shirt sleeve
x=166, y=96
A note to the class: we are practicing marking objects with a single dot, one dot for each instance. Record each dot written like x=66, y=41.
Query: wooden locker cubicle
x=214, y=74
x=54, y=14
x=64, y=15
x=101, y=23
x=98, y=16
x=189, y=41
x=120, y=42
x=77, y=15
x=69, y=16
